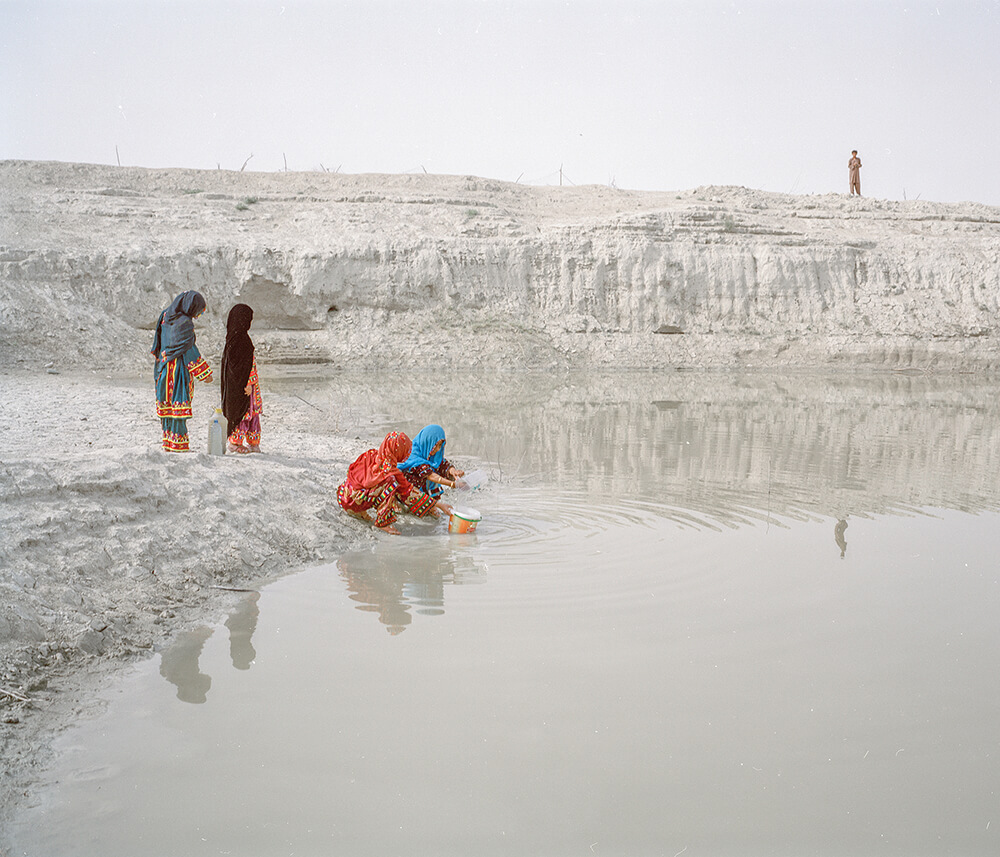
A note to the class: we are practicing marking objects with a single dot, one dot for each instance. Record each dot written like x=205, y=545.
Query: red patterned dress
x=249, y=428
x=374, y=481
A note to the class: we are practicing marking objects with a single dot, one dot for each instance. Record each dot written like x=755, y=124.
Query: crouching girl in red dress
x=374, y=481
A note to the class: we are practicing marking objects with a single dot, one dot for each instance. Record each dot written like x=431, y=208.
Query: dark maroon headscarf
x=237, y=361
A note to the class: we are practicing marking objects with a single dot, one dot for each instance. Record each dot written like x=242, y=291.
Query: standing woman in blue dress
x=177, y=361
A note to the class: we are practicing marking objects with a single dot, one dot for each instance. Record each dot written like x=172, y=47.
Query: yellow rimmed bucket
x=463, y=520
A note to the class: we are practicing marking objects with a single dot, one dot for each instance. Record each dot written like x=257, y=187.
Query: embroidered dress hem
x=174, y=410
x=380, y=498
x=383, y=499
x=248, y=430
x=175, y=436
x=418, y=503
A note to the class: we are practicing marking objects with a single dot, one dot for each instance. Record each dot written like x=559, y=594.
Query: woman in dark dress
x=241, y=400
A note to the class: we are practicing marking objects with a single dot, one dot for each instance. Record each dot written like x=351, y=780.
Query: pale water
x=700, y=616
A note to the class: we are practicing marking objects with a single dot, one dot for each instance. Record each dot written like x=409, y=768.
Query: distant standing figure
x=854, y=172
x=241, y=400
x=178, y=360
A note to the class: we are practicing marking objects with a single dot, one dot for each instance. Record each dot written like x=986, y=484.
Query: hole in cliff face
x=275, y=307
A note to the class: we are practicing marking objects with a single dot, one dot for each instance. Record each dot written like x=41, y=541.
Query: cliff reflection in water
x=732, y=452
x=710, y=449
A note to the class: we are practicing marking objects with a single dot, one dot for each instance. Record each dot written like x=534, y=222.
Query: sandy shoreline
x=108, y=546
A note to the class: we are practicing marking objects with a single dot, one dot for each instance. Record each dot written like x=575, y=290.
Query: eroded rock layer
x=396, y=270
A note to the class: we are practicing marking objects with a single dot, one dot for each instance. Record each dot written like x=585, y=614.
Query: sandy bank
x=108, y=546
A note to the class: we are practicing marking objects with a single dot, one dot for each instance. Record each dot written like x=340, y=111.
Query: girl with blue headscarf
x=427, y=469
x=178, y=360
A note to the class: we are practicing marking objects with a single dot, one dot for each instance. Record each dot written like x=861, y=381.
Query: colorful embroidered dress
x=249, y=428
x=239, y=369
x=374, y=481
x=173, y=395
x=177, y=362
x=422, y=462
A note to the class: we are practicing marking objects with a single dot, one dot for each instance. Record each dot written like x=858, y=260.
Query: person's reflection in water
x=427, y=595
x=396, y=583
x=377, y=590
x=179, y=666
x=838, y=535
x=242, y=622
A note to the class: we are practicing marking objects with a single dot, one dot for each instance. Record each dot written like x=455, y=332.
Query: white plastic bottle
x=216, y=436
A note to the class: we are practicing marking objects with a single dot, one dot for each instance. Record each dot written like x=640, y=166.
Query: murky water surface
x=701, y=616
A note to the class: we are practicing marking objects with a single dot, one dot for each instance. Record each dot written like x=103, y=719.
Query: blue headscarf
x=175, y=329
x=423, y=443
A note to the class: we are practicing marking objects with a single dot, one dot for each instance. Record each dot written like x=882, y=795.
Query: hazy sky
x=647, y=95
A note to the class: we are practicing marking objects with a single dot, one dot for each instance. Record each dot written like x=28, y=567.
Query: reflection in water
x=179, y=662
x=717, y=450
x=838, y=536
x=393, y=580
x=242, y=622
x=179, y=666
x=645, y=672
x=377, y=590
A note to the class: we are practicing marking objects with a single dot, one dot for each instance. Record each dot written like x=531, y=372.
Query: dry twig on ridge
x=14, y=695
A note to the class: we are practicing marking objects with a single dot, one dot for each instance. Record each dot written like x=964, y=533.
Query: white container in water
x=216, y=434
x=475, y=479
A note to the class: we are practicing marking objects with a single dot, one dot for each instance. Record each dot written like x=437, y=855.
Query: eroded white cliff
x=399, y=270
